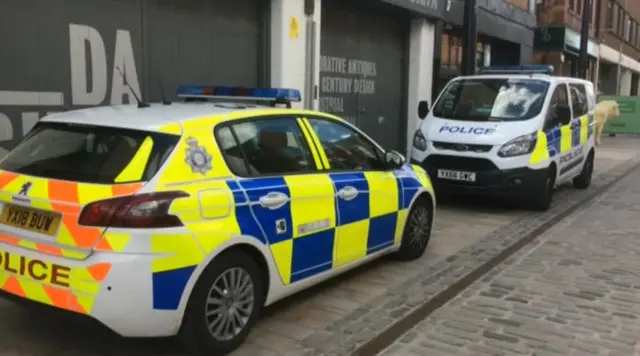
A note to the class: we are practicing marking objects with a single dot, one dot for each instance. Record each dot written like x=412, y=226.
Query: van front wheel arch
x=541, y=196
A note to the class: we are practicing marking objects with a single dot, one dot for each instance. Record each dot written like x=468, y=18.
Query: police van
x=516, y=132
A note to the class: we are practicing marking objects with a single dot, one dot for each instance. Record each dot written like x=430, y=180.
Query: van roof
x=544, y=77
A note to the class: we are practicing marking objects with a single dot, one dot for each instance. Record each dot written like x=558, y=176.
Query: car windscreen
x=491, y=99
x=89, y=154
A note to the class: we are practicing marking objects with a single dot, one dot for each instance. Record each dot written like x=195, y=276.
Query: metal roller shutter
x=362, y=68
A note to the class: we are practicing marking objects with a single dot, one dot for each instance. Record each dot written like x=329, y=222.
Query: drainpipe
x=596, y=75
x=583, y=62
x=619, y=69
x=470, y=27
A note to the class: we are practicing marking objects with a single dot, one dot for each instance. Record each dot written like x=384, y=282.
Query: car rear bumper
x=114, y=289
x=509, y=183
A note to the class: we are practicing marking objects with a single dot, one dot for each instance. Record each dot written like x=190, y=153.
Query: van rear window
x=90, y=154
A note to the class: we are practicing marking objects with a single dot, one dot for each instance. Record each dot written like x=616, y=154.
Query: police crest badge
x=197, y=157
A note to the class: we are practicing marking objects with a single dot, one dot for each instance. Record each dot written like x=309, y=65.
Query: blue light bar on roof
x=239, y=93
x=528, y=69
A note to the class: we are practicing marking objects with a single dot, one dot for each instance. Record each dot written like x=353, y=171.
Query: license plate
x=29, y=219
x=457, y=175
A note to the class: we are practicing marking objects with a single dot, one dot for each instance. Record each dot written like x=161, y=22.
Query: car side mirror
x=393, y=159
x=423, y=109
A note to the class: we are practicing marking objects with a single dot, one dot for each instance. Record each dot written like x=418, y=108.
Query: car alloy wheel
x=230, y=304
x=419, y=228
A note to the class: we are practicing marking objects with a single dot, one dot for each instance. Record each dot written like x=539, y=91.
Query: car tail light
x=149, y=210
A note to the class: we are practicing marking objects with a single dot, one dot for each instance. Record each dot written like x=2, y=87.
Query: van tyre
x=417, y=231
x=583, y=181
x=224, y=305
x=542, y=197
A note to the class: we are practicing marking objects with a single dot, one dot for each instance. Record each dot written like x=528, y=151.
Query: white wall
x=288, y=65
x=421, y=42
x=612, y=55
x=487, y=55
x=625, y=82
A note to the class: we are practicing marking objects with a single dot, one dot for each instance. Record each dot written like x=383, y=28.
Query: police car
x=187, y=218
x=511, y=131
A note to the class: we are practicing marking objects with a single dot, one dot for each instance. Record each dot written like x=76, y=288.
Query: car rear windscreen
x=90, y=154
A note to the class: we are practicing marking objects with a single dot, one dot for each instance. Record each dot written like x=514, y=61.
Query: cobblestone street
x=574, y=291
x=339, y=316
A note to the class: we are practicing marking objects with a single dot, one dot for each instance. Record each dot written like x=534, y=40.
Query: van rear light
x=149, y=210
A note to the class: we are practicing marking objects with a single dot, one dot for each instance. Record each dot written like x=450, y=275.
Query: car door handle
x=273, y=200
x=348, y=193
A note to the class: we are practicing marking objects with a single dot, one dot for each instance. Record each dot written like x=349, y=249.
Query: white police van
x=510, y=131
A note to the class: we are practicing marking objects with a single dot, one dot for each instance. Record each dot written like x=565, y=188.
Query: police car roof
x=152, y=117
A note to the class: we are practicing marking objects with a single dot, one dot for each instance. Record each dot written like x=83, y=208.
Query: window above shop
x=576, y=7
x=523, y=4
x=621, y=24
x=452, y=49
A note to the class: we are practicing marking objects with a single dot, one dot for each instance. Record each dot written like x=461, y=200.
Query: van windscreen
x=491, y=99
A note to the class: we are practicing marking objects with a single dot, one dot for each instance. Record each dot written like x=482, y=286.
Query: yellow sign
x=294, y=28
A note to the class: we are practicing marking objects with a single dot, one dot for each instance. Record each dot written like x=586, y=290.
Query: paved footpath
x=574, y=291
x=337, y=317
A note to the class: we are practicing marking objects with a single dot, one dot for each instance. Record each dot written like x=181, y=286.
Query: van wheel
x=583, y=181
x=543, y=196
x=224, y=305
x=417, y=231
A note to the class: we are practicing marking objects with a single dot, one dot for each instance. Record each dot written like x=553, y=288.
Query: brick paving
x=341, y=315
x=574, y=291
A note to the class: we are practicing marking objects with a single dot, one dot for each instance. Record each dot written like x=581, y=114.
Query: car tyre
x=543, y=197
x=218, y=318
x=417, y=230
x=583, y=181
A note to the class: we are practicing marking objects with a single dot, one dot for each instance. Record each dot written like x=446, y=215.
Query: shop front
x=560, y=47
x=72, y=52
x=365, y=50
x=505, y=37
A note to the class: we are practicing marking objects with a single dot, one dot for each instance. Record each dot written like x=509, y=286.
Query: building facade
x=613, y=44
x=505, y=36
x=375, y=64
x=367, y=61
x=619, y=47
x=557, y=38
x=67, y=54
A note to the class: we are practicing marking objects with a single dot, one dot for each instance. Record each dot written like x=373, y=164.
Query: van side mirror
x=423, y=109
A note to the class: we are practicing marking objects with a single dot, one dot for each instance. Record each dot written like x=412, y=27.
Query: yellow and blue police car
x=188, y=218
